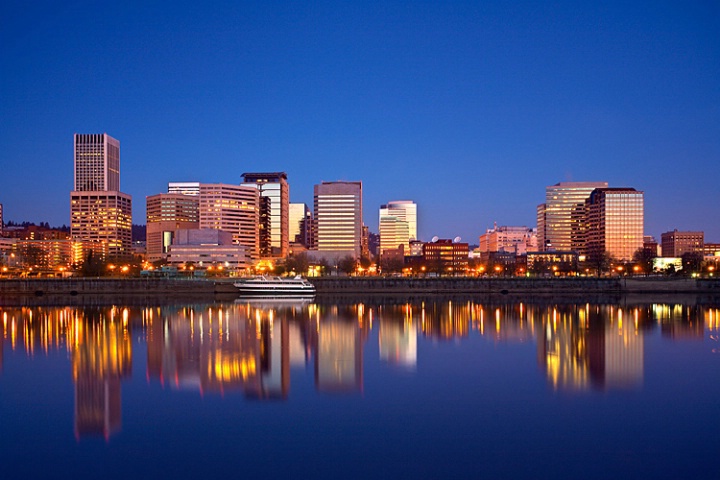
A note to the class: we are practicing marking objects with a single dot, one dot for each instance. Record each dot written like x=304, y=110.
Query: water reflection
x=252, y=347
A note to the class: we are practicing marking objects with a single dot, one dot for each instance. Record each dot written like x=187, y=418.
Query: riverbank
x=366, y=285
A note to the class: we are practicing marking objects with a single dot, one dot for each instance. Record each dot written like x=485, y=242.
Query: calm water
x=433, y=389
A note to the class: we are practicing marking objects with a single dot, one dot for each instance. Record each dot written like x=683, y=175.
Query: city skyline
x=469, y=110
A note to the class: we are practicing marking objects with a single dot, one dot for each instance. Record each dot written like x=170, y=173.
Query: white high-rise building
x=97, y=163
x=338, y=217
x=397, y=224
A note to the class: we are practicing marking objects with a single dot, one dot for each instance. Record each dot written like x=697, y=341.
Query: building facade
x=446, y=257
x=613, y=223
x=274, y=220
x=517, y=240
x=234, y=209
x=338, y=217
x=675, y=243
x=558, y=219
x=165, y=214
x=100, y=215
x=97, y=163
x=206, y=248
x=397, y=224
x=300, y=225
x=102, y=221
x=184, y=188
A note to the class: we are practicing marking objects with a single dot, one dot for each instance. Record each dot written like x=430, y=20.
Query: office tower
x=184, y=188
x=393, y=234
x=167, y=213
x=100, y=215
x=275, y=192
x=675, y=244
x=234, y=209
x=97, y=163
x=398, y=224
x=300, y=224
x=338, y=217
x=613, y=223
x=558, y=218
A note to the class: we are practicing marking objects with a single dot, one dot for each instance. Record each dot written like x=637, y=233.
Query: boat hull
x=275, y=287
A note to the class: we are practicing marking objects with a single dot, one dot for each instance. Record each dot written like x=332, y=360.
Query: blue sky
x=468, y=108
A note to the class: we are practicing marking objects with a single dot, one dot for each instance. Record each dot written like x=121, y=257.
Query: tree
x=297, y=263
x=600, y=262
x=539, y=267
x=391, y=264
x=324, y=265
x=692, y=262
x=365, y=262
x=347, y=264
x=92, y=266
x=643, y=258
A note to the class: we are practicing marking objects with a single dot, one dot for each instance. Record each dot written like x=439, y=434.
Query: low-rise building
x=676, y=243
x=207, y=247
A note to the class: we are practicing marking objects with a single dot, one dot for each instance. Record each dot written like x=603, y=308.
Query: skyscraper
x=274, y=187
x=397, y=224
x=614, y=222
x=300, y=224
x=338, y=217
x=100, y=215
x=233, y=209
x=97, y=163
x=558, y=219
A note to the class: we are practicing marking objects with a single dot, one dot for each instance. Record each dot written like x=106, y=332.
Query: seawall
x=514, y=285
x=175, y=288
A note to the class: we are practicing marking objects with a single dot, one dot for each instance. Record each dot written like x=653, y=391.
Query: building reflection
x=445, y=320
x=680, y=322
x=599, y=346
x=397, y=340
x=101, y=357
x=338, y=345
x=245, y=347
x=100, y=348
x=251, y=348
x=712, y=325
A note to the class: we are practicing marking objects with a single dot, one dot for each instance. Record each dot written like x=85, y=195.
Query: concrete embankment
x=105, y=286
x=514, y=285
x=175, y=288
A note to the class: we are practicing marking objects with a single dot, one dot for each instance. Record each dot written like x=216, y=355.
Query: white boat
x=275, y=286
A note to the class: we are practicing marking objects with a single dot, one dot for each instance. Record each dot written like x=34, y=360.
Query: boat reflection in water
x=251, y=346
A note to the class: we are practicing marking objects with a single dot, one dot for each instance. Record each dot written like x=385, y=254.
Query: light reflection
x=250, y=347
